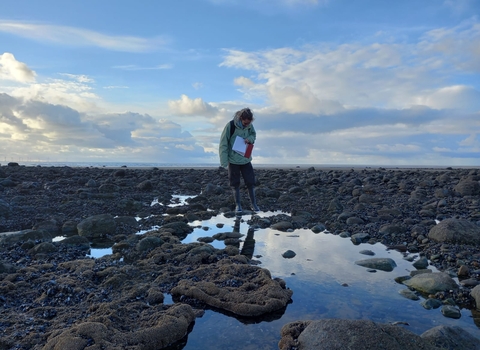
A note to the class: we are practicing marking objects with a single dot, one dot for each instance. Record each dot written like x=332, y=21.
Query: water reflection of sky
x=323, y=264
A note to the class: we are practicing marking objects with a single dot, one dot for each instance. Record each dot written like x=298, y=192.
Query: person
x=236, y=163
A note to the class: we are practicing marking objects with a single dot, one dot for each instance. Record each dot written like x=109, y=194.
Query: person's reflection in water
x=249, y=243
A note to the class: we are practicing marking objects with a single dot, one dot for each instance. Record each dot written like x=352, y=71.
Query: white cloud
x=326, y=78
x=11, y=69
x=244, y=82
x=458, y=46
x=35, y=130
x=110, y=87
x=453, y=97
x=471, y=141
x=80, y=78
x=71, y=36
x=188, y=106
x=301, y=100
x=75, y=94
x=398, y=148
x=74, y=90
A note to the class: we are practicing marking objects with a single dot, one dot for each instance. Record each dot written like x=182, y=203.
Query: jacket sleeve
x=223, y=147
x=252, y=135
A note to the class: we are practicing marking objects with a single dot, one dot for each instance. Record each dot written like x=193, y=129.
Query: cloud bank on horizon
x=330, y=81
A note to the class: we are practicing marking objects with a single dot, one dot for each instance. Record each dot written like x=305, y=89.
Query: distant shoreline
x=200, y=166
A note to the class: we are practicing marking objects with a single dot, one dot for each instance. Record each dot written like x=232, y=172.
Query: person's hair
x=245, y=114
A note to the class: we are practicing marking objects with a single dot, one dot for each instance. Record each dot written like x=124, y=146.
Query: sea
x=96, y=164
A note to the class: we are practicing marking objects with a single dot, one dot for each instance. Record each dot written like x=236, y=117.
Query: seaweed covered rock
x=154, y=330
x=242, y=289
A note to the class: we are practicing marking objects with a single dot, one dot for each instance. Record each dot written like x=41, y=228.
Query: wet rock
x=4, y=209
x=282, y=226
x=108, y=188
x=149, y=243
x=145, y=185
x=120, y=173
x=384, y=264
x=289, y=254
x=389, y=212
x=463, y=271
x=398, y=247
x=475, y=293
x=470, y=282
x=467, y=187
x=6, y=267
x=44, y=247
x=367, y=198
x=97, y=226
x=407, y=293
x=225, y=235
x=390, y=229
x=419, y=272
x=205, y=239
x=456, y=231
x=51, y=226
x=344, y=216
x=431, y=283
x=24, y=235
x=348, y=335
x=359, y=238
x=179, y=229
x=91, y=183
x=354, y=221
x=319, y=228
x=335, y=206
x=421, y=263
x=451, y=312
x=79, y=241
x=431, y=303
x=8, y=183
x=69, y=228
x=127, y=221
x=451, y=337
x=367, y=252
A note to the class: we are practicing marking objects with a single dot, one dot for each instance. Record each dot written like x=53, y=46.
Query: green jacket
x=226, y=143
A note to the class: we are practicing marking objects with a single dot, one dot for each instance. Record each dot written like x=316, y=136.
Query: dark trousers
x=246, y=170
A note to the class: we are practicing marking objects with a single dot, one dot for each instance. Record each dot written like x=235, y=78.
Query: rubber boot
x=238, y=201
x=253, y=200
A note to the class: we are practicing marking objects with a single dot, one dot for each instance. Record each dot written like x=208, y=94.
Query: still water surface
x=326, y=283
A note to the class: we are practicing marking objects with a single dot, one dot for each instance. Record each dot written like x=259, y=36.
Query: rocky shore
x=54, y=296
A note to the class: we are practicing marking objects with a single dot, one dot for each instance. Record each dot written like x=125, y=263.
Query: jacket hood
x=238, y=122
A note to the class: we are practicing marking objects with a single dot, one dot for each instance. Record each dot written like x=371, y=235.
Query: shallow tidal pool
x=326, y=283
x=325, y=280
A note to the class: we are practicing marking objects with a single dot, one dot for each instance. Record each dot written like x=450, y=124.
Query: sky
x=347, y=82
